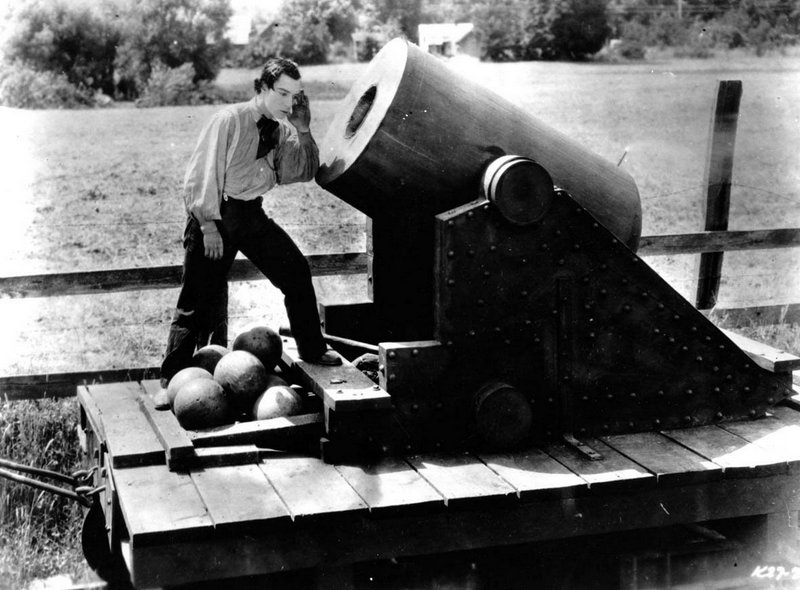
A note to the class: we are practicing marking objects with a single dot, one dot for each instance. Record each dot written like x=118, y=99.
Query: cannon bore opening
x=360, y=111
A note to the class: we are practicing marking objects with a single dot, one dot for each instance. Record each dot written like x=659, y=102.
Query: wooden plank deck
x=285, y=511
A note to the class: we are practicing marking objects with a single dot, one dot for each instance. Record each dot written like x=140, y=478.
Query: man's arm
x=204, y=180
x=297, y=155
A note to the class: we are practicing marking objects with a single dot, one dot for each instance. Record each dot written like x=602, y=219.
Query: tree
x=64, y=38
x=500, y=27
x=580, y=28
x=170, y=32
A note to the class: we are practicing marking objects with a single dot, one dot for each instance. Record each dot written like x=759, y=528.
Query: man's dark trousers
x=201, y=316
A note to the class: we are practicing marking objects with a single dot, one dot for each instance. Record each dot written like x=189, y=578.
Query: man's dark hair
x=273, y=69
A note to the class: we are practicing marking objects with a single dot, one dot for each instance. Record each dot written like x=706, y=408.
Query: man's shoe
x=160, y=400
x=327, y=358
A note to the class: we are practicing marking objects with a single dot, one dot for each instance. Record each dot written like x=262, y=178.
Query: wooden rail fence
x=710, y=244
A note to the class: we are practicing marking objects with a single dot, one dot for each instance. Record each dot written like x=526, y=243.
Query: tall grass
x=39, y=531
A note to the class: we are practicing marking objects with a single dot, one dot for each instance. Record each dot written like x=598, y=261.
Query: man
x=243, y=152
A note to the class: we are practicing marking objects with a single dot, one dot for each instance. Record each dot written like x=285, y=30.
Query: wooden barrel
x=413, y=136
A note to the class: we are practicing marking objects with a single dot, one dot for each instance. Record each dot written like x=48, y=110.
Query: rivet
x=657, y=422
x=524, y=261
x=660, y=306
x=492, y=248
x=689, y=392
x=583, y=431
x=415, y=407
x=451, y=254
x=592, y=335
x=603, y=292
x=497, y=329
x=644, y=294
x=699, y=359
x=481, y=302
x=414, y=352
x=770, y=400
x=626, y=307
x=392, y=377
x=543, y=246
x=578, y=210
x=528, y=322
x=587, y=306
x=472, y=332
x=381, y=368
x=746, y=389
x=392, y=354
x=671, y=340
x=451, y=282
x=661, y=392
x=708, y=338
x=603, y=266
x=687, y=418
x=715, y=369
x=585, y=398
x=753, y=413
x=554, y=312
x=585, y=279
x=676, y=317
x=605, y=427
x=565, y=378
x=746, y=366
x=610, y=396
x=576, y=247
x=450, y=223
x=624, y=281
x=561, y=261
x=536, y=340
x=486, y=273
x=550, y=400
x=719, y=415
x=684, y=348
x=656, y=331
x=470, y=252
x=694, y=328
x=549, y=433
x=558, y=232
x=595, y=225
x=722, y=347
x=449, y=343
x=729, y=377
x=470, y=215
x=630, y=424
x=438, y=405
x=717, y=390
x=508, y=342
x=524, y=293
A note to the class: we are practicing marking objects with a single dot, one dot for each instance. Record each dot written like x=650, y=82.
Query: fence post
x=719, y=169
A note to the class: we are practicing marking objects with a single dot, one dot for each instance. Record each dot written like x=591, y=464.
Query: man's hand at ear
x=301, y=113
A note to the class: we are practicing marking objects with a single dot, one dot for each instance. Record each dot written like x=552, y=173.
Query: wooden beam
x=765, y=356
x=157, y=277
x=719, y=170
x=719, y=241
x=47, y=385
x=788, y=313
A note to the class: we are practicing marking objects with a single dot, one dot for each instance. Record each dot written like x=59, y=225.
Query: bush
x=25, y=88
x=175, y=86
x=172, y=33
x=631, y=49
x=66, y=38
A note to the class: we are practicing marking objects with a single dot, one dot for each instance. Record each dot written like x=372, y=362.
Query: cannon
x=504, y=289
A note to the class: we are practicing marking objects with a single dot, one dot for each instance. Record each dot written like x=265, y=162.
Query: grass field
x=100, y=189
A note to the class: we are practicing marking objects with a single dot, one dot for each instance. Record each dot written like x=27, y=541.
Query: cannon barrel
x=414, y=137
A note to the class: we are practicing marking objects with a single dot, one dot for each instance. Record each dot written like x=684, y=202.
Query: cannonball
x=208, y=356
x=273, y=380
x=181, y=378
x=243, y=378
x=263, y=342
x=277, y=401
x=202, y=403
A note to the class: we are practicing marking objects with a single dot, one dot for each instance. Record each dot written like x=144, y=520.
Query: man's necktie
x=266, y=136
